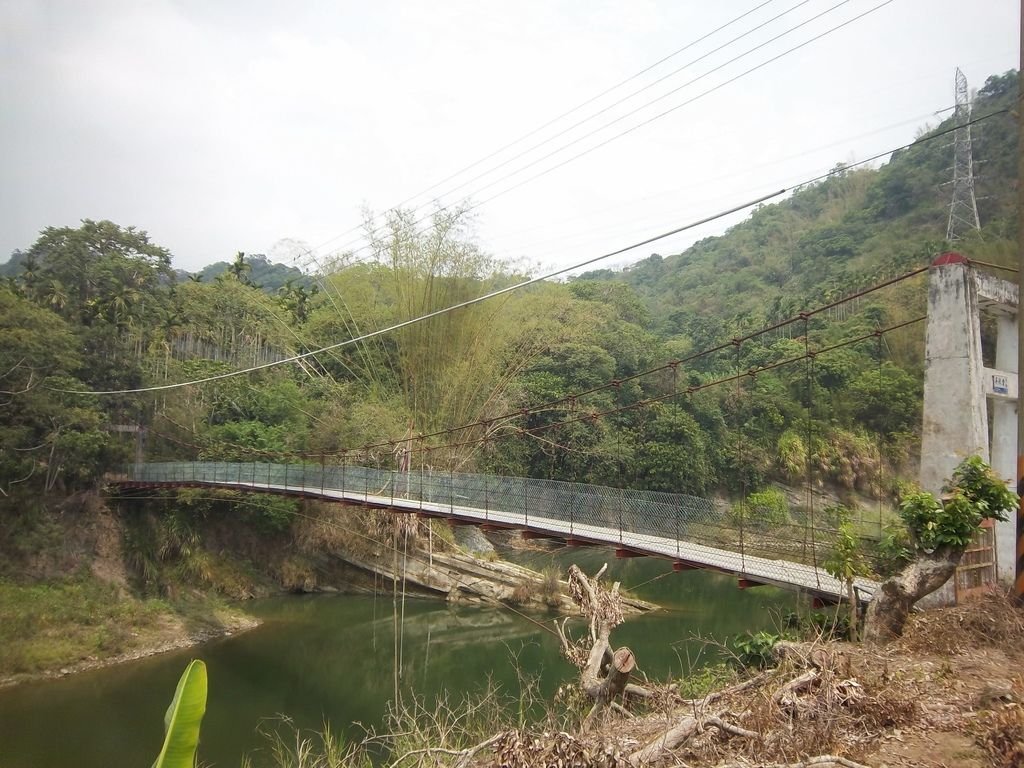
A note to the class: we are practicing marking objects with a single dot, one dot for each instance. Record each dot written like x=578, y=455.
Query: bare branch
x=28, y=387
x=13, y=368
x=735, y=730
x=698, y=704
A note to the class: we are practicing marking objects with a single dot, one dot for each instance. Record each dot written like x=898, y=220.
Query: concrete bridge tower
x=970, y=408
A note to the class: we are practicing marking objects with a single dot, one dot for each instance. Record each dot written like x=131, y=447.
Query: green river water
x=330, y=658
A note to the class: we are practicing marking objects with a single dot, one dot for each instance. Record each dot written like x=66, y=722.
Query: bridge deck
x=751, y=569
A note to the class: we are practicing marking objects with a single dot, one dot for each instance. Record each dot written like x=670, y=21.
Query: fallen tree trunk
x=666, y=741
x=890, y=607
x=675, y=736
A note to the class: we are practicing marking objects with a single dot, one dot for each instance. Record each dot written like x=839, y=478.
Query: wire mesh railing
x=677, y=523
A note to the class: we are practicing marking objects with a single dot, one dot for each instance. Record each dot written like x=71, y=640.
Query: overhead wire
x=554, y=120
x=874, y=92
x=644, y=201
x=310, y=251
x=604, y=93
x=653, y=101
x=667, y=112
x=475, y=205
x=626, y=98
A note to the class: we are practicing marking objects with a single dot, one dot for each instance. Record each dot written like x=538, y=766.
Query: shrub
x=754, y=649
x=892, y=552
x=974, y=494
x=551, y=588
x=709, y=678
x=792, y=452
x=521, y=594
x=767, y=507
x=845, y=561
x=828, y=625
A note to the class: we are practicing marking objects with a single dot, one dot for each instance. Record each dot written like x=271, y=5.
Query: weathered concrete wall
x=958, y=387
x=955, y=412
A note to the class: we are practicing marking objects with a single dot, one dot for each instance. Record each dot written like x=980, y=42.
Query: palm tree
x=295, y=298
x=240, y=268
x=29, y=279
x=56, y=294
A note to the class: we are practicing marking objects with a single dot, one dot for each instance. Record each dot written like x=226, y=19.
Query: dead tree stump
x=604, y=673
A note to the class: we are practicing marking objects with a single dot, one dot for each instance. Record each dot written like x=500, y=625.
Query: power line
x=615, y=87
x=649, y=103
x=659, y=116
x=554, y=120
x=583, y=121
x=664, y=194
x=646, y=122
x=310, y=251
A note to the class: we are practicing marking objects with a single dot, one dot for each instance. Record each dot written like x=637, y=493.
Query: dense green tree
x=672, y=453
x=257, y=269
x=97, y=273
x=48, y=439
x=887, y=401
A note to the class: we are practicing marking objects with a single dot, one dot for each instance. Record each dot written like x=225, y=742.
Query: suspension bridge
x=691, y=532
x=687, y=530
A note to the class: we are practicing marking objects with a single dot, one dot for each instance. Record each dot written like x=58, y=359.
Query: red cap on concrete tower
x=949, y=257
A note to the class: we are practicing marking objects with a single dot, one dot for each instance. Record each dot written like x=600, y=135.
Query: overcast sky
x=258, y=125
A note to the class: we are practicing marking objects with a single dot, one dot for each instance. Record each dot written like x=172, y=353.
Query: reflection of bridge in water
x=687, y=530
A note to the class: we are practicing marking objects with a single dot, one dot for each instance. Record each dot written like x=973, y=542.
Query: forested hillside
x=99, y=308
x=850, y=231
x=256, y=269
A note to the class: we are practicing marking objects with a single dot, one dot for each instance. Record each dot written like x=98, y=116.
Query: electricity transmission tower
x=963, y=208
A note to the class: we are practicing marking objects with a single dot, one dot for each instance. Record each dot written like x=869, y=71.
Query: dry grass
x=837, y=712
x=1002, y=736
x=992, y=621
x=873, y=706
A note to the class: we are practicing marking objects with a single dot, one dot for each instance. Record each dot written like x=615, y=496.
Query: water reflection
x=332, y=658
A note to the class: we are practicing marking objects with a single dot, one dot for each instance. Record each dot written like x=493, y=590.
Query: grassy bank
x=46, y=627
